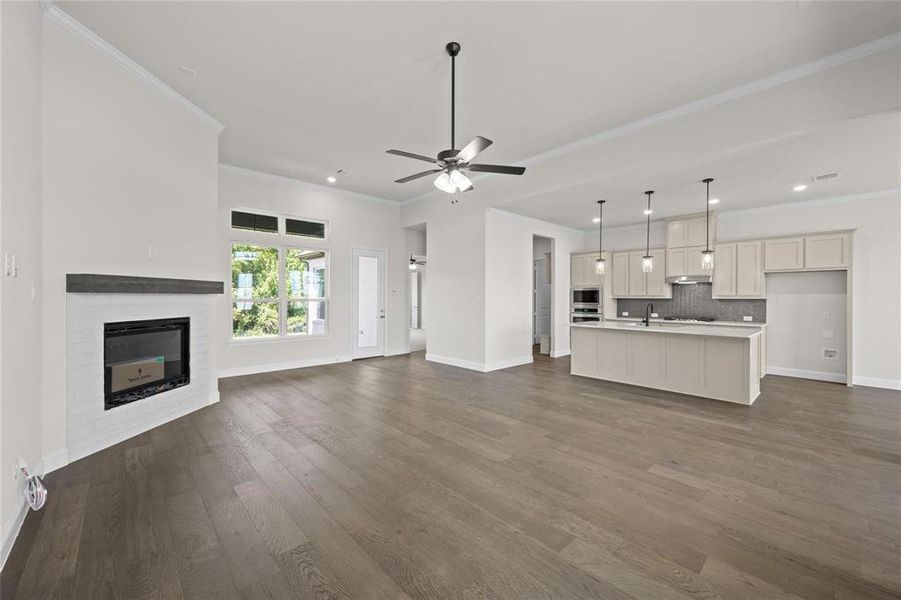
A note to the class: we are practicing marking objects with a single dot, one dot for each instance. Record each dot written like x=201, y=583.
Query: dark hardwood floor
x=394, y=478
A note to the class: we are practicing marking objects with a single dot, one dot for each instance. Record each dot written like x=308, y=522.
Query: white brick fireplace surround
x=91, y=428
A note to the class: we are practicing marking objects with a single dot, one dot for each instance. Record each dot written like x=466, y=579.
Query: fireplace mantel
x=91, y=283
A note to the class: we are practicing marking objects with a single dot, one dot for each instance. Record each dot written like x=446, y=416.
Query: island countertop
x=758, y=324
x=674, y=328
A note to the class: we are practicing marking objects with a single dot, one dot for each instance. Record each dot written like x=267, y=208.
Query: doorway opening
x=542, y=293
x=417, y=258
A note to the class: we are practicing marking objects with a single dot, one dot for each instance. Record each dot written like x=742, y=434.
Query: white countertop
x=669, y=327
x=705, y=323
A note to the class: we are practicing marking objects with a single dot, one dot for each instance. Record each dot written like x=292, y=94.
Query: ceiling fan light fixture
x=460, y=181
x=443, y=183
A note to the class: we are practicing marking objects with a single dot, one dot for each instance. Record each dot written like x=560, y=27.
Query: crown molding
x=227, y=168
x=825, y=63
x=63, y=19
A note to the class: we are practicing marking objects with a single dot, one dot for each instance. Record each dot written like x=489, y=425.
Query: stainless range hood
x=689, y=279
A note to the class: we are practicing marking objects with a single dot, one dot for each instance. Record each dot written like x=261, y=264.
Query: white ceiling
x=305, y=89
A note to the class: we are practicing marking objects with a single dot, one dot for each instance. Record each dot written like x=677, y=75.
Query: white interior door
x=541, y=300
x=369, y=303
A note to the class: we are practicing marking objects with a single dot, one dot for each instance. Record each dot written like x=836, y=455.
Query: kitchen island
x=717, y=362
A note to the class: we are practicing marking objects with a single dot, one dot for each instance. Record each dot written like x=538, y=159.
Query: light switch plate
x=653, y=315
x=625, y=314
x=827, y=315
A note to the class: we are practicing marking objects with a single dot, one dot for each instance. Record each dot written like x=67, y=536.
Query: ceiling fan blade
x=411, y=155
x=496, y=169
x=471, y=149
x=416, y=176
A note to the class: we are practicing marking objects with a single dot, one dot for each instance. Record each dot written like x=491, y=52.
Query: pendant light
x=707, y=253
x=600, y=265
x=647, y=261
x=412, y=265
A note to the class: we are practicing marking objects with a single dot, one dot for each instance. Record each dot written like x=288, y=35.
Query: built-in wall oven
x=585, y=305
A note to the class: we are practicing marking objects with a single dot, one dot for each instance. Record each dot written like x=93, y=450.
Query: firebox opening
x=143, y=358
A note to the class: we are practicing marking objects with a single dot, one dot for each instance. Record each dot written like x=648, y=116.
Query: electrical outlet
x=151, y=252
x=653, y=315
x=747, y=318
x=625, y=314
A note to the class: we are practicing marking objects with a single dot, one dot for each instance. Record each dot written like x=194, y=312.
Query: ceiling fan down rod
x=453, y=49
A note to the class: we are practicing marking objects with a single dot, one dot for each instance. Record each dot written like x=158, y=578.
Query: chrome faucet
x=647, y=314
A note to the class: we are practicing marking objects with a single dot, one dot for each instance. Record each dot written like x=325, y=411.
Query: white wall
x=20, y=234
x=126, y=168
x=796, y=304
x=355, y=221
x=508, y=286
x=876, y=282
x=456, y=287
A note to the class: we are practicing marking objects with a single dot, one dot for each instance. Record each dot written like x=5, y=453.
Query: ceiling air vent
x=823, y=177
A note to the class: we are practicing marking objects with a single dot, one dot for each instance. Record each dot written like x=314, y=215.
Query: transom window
x=278, y=291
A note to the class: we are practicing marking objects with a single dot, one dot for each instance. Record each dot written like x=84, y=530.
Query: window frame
x=282, y=242
x=282, y=227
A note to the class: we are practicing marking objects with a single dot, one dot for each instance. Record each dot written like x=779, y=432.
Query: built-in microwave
x=586, y=296
x=585, y=305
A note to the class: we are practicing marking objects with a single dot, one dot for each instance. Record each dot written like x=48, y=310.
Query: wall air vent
x=824, y=177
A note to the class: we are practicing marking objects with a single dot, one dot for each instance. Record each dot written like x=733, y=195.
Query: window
x=254, y=222
x=278, y=291
x=313, y=229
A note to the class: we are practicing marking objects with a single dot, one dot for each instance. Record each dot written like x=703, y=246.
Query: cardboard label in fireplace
x=132, y=373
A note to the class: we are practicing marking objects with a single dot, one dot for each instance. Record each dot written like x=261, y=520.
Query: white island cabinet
x=709, y=361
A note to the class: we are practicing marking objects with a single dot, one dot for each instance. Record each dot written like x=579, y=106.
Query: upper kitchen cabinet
x=738, y=270
x=689, y=231
x=684, y=261
x=629, y=281
x=619, y=274
x=583, y=271
x=786, y=254
x=827, y=251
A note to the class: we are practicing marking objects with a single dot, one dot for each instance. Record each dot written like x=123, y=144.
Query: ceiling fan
x=453, y=164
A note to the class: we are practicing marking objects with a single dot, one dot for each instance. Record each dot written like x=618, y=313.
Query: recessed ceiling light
x=648, y=211
x=800, y=187
x=596, y=220
x=331, y=179
x=714, y=200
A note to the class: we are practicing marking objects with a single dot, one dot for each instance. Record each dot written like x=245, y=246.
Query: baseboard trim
x=455, y=362
x=11, y=530
x=507, y=364
x=282, y=366
x=807, y=374
x=889, y=384
x=560, y=353
x=56, y=460
x=477, y=366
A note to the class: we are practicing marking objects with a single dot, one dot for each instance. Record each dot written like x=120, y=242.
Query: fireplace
x=143, y=358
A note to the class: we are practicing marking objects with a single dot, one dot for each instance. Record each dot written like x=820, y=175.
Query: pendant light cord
x=707, y=245
x=647, y=249
x=601, y=230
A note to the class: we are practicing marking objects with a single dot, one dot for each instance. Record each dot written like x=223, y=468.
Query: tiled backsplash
x=695, y=301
